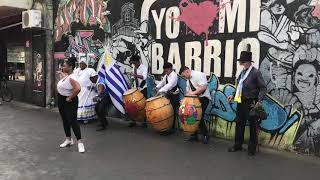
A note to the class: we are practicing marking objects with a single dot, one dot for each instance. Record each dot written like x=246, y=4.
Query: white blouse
x=64, y=86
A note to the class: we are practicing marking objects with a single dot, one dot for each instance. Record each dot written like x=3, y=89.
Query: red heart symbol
x=200, y=17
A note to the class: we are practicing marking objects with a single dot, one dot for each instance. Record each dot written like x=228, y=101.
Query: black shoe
x=102, y=128
x=167, y=133
x=234, y=149
x=100, y=125
x=205, y=139
x=144, y=125
x=132, y=124
x=193, y=138
x=251, y=153
x=106, y=123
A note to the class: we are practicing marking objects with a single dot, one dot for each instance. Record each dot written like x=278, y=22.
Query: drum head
x=130, y=91
x=153, y=98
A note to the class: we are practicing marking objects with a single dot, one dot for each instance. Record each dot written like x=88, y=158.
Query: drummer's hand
x=230, y=98
x=190, y=93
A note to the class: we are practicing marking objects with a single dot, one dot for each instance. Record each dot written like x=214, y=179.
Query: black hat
x=245, y=56
x=167, y=65
x=135, y=58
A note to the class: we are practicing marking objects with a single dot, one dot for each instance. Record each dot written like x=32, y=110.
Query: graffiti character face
x=305, y=77
x=278, y=8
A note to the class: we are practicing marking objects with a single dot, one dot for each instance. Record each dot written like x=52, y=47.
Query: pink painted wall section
x=198, y=17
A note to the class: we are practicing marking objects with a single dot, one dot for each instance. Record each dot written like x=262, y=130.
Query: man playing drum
x=140, y=74
x=197, y=85
x=169, y=86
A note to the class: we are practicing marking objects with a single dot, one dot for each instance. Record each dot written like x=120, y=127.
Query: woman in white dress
x=86, y=105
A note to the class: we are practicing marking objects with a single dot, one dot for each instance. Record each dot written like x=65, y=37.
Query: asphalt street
x=29, y=150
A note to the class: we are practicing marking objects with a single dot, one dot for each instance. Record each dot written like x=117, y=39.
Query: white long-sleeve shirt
x=172, y=81
x=143, y=71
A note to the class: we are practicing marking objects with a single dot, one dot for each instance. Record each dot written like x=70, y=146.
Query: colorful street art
x=208, y=36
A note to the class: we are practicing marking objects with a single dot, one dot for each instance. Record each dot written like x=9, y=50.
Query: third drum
x=190, y=114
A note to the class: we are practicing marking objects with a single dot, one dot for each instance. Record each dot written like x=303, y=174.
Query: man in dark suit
x=251, y=90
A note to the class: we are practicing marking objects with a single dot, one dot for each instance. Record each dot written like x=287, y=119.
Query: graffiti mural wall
x=208, y=35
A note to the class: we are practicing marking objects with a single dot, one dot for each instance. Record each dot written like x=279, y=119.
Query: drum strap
x=136, y=79
x=192, y=87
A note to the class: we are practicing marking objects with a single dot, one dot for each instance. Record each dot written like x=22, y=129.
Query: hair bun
x=72, y=60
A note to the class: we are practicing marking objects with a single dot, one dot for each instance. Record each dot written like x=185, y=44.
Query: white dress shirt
x=199, y=79
x=143, y=71
x=172, y=80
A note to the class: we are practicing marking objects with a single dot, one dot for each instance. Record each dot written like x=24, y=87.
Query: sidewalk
x=29, y=139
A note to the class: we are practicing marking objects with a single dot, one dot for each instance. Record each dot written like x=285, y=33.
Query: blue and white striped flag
x=114, y=80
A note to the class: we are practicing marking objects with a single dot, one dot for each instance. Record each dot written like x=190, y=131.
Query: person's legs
x=101, y=110
x=63, y=114
x=203, y=127
x=63, y=110
x=174, y=101
x=145, y=94
x=72, y=117
x=253, y=136
x=242, y=116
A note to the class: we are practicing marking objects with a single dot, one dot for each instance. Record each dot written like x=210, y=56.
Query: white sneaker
x=66, y=143
x=81, y=148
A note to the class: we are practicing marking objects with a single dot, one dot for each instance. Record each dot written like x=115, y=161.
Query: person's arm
x=202, y=85
x=75, y=89
x=142, y=76
x=162, y=83
x=262, y=87
x=172, y=82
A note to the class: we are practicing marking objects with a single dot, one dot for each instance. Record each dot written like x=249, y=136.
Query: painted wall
x=208, y=36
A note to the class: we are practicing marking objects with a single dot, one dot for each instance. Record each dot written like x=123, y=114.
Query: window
x=16, y=63
x=127, y=16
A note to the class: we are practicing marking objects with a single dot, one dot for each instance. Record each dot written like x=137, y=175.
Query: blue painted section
x=279, y=119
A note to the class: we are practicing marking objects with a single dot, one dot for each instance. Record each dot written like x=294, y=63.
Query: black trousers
x=202, y=126
x=101, y=110
x=243, y=110
x=145, y=92
x=174, y=100
x=68, y=112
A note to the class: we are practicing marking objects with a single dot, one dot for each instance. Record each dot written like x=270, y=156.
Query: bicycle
x=5, y=92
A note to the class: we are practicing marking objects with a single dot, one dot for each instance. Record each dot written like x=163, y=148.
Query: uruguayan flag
x=114, y=80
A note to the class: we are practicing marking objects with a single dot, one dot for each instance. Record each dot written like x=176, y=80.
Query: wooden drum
x=190, y=114
x=135, y=104
x=159, y=113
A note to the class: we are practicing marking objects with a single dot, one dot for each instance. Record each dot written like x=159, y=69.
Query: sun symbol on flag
x=108, y=59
